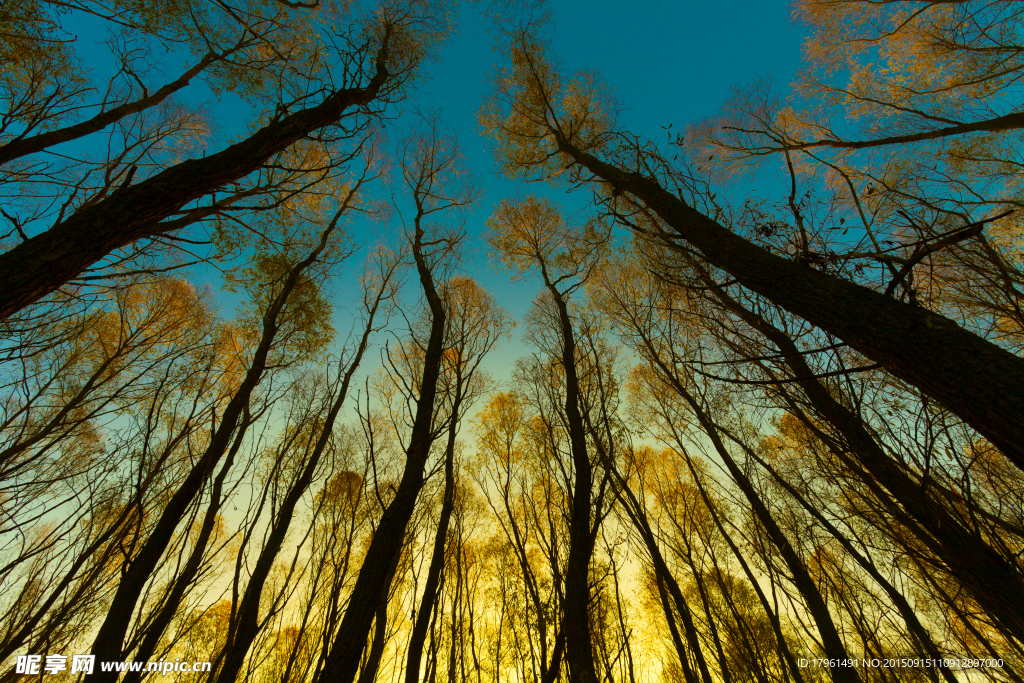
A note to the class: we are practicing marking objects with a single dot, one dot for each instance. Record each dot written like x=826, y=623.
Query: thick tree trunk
x=380, y=631
x=990, y=579
x=975, y=379
x=42, y=264
x=551, y=674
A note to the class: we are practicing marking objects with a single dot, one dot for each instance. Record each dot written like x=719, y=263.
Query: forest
x=299, y=388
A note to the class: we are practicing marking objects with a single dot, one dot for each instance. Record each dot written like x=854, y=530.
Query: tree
x=316, y=439
x=689, y=476
x=889, y=119
x=475, y=325
x=805, y=392
x=514, y=444
x=147, y=373
x=918, y=72
x=532, y=235
x=384, y=58
x=430, y=169
x=109, y=642
x=545, y=127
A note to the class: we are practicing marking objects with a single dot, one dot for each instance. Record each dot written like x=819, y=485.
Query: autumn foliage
x=729, y=440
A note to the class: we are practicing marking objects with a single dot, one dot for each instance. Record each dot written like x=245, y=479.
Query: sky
x=666, y=62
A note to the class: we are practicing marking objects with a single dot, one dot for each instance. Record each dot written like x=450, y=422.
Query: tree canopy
x=298, y=387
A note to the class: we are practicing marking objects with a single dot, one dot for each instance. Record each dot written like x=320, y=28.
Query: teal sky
x=666, y=62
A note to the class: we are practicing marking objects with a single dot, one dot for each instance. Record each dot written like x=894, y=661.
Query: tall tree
x=544, y=126
x=285, y=279
x=318, y=437
x=385, y=57
x=475, y=325
x=530, y=235
x=430, y=166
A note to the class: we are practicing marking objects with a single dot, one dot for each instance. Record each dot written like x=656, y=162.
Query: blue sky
x=667, y=63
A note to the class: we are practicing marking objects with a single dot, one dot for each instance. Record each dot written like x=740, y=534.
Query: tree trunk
x=110, y=637
x=380, y=631
x=188, y=573
x=989, y=578
x=975, y=379
x=576, y=621
x=830, y=638
x=42, y=264
x=20, y=147
x=435, y=573
x=373, y=582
